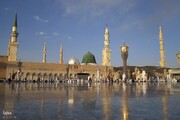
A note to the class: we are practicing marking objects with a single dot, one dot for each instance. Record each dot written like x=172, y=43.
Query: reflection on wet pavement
x=90, y=101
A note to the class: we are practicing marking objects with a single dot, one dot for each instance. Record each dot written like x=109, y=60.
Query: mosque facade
x=11, y=67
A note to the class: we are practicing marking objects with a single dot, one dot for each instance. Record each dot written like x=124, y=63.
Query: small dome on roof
x=73, y=60
x=88, y=58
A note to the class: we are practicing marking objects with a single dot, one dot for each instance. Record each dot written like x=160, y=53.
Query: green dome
x=88, y=58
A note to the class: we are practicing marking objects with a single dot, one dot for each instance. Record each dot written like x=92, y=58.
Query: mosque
x=10, y=67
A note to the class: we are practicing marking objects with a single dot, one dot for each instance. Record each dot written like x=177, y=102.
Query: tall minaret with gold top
x=106, y=52
x=61, y=55
x=13, y=43
x=8, y=50
x=178, y=57
x=44, y=53
x=162, y=53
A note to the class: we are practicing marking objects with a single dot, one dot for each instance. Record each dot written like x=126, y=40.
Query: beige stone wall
x=13, y=51
x=3, y=62
x=106, y=57
x=47, y=71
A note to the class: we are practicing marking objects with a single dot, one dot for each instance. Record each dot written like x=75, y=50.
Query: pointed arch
x=27, y=77
x=71, y=75
x=39, y=76
x=93, y=76
x=45, y=76
x=34, y=76
x=50, y=76
x=60, y=76
x=56, y=76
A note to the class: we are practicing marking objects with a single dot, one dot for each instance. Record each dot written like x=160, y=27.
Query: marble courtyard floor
x=96, y=101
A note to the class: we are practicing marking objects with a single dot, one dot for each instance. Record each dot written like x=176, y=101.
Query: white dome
x=73, y=61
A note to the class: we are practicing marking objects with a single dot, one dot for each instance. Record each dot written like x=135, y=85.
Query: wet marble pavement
x=96, y=101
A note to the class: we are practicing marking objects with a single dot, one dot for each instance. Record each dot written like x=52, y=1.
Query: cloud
x=165, y=10
x=6, y=8
x=40, y=19
x=69, y=37
x=125, y=13
x=55, y=33
x=129, y=23
x=95, y=7
x=40, y=33
x=154, y=15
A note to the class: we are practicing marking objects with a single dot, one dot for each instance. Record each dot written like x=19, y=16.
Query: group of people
x=16, y=75
x=139, y=76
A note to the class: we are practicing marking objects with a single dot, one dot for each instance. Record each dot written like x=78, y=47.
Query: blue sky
x=79, y=25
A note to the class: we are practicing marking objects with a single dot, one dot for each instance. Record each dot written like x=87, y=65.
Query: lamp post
x=124, y=55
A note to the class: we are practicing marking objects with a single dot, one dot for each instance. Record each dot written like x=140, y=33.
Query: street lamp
x=124, y=55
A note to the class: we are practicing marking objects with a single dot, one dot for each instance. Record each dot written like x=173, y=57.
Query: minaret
x=106, y=52
x=8, y=50
x=13, y=44
x=162, y=54
x=61, y=55
x=44, y=53
x=178, y=57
